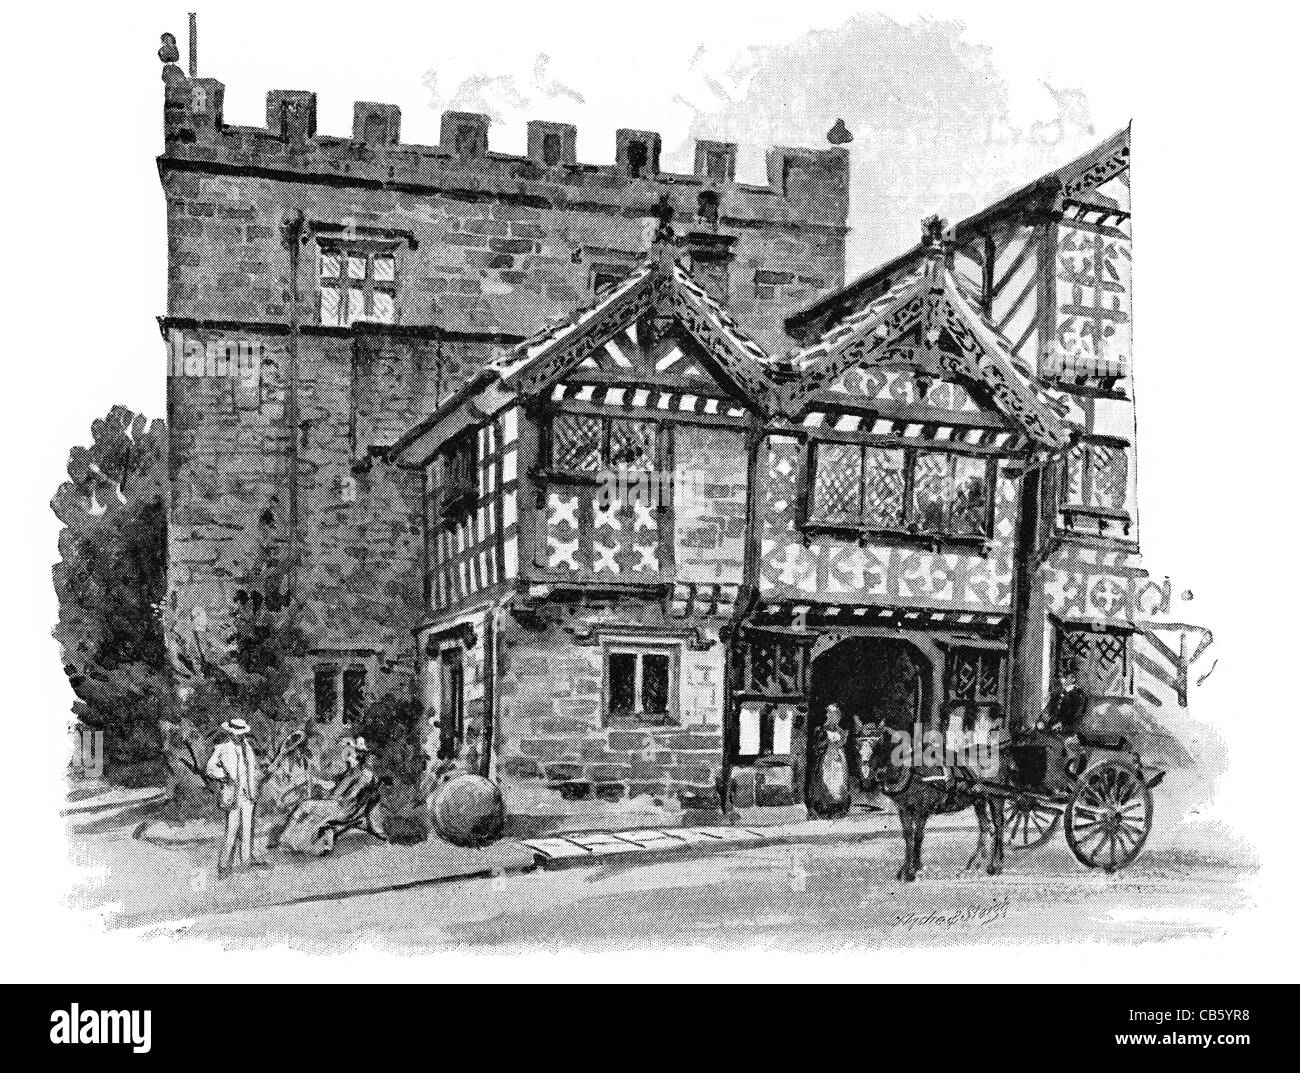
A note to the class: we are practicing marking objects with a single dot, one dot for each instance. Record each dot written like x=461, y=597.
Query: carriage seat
x=1112, y=742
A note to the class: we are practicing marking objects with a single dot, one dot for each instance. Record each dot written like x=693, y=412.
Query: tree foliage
x=111, y=581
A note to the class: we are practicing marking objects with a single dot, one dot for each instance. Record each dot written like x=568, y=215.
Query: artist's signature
x=977, y=915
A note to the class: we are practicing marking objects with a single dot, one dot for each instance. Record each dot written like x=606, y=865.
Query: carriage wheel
x=1027, y=822
x=1108, y=816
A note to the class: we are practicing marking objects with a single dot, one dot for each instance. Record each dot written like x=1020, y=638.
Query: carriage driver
x=1065, y=711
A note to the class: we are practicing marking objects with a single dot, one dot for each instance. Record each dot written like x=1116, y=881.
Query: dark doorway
x=871, y=679
x=452, y=706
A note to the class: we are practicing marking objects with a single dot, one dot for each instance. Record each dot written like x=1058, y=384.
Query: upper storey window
x=584, y=445
x=1096, y=478
x=357, y=282
x=899, y=490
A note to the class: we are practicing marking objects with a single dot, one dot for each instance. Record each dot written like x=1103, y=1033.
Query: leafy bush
x=111, y=580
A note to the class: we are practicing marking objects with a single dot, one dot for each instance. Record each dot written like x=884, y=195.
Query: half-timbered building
x=655, y=553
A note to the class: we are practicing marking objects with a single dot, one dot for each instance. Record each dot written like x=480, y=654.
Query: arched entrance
x=871, y=679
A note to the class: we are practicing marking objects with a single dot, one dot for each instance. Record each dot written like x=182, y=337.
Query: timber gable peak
x=656, y=298
x=926, y=325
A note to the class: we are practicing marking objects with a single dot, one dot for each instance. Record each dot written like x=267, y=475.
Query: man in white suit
x=233, y=765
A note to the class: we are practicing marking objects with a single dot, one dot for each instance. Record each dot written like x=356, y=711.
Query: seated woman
x=310, y=826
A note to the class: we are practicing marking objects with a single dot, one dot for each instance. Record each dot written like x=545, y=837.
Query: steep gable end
x=922, y=331
x=658, y=328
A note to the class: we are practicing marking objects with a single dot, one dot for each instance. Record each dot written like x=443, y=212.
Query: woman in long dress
x=308, y=829
x=828, y=789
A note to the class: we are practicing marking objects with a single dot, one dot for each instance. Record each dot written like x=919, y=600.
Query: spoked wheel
x=1108, y=817
x=1027, y=822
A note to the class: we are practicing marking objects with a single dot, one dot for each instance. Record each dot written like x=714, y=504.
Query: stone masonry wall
x=360, y=524
x=556, y=753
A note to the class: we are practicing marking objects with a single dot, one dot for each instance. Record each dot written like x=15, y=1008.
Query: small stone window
x=357, y=282
x=374, y=129
x=340, y=691
x=640, y=684
x=451, y=713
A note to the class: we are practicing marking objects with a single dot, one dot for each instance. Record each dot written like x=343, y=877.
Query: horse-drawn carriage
x=1104, y=798
x=1102, y=793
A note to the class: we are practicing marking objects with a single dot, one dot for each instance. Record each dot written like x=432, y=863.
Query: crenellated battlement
x=805, y=186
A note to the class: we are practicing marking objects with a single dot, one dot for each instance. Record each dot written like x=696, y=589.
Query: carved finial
x=169, y=53
x=839, y=134
x=932, y=229
x=936, y=235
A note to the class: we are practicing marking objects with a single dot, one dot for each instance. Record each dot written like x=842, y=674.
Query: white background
x=1210, y=91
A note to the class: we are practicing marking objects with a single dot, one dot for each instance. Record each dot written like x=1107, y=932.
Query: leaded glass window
x=974, y=675
x=773, y=666
x=1099, y=658
x=837, y=484
x=892, y=488
x=585, y=444
x=856, y=485
x=883, y=487
x=950, y=493
x=576, y=443
x=1096, y=477
x=357, y=284
x=632, y=444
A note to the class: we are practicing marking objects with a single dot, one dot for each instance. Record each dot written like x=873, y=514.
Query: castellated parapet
x=502, y=243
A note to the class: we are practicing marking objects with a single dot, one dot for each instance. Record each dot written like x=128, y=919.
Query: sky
x=944, y=119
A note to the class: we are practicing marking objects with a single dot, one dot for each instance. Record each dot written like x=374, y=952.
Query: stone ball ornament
x=468, y=810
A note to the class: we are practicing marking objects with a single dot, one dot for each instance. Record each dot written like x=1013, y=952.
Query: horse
x=919, y=792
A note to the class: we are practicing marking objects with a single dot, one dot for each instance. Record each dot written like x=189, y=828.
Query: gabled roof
x=1071, y=181
x=660, y=287
x=926, y=322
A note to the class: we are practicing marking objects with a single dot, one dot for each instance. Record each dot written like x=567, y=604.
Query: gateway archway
x=871, y=679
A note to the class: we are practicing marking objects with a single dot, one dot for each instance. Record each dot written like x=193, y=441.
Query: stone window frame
x=341, y=663
x=370, y=251
x=452, y=698
x=642, y=646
